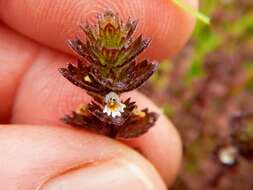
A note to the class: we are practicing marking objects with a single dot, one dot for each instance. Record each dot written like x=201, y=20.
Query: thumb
x=53, y=158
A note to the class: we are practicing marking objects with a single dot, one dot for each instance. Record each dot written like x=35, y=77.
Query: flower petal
x=116, y=114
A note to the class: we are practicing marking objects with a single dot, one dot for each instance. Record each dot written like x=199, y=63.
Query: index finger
x=53, y=22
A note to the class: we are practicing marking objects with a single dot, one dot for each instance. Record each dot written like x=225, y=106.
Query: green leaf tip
x=200, y=16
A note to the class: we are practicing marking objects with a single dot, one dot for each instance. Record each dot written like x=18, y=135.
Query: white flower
x=113, y=105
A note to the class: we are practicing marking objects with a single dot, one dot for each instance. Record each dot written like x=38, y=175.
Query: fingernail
x=108, y=175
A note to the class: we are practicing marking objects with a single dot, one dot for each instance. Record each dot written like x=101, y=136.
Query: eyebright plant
x=107, y=67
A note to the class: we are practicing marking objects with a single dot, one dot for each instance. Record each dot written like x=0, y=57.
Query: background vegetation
x=207, y=91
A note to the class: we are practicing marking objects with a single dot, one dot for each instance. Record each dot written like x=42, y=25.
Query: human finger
x=50, y=158
x=53, y=22
x=45, y=96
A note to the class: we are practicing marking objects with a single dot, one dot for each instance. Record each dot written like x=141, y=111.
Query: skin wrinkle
x=70, y=170
x=57, y=18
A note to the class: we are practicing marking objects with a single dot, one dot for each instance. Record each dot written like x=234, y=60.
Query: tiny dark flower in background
x=241, y=133
x=106, y=68
x=239, y=142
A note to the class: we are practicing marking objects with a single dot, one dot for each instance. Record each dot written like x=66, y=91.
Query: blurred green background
x=207, y=92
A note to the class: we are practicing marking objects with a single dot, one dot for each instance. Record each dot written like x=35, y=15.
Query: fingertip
x=51, y=22
x=161, y=144
x=100, y=175
x=50, y=157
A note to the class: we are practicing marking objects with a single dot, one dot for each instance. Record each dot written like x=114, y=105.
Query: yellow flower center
x=113, y=105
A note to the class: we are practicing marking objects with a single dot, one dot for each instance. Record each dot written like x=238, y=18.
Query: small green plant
x=106, y=68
